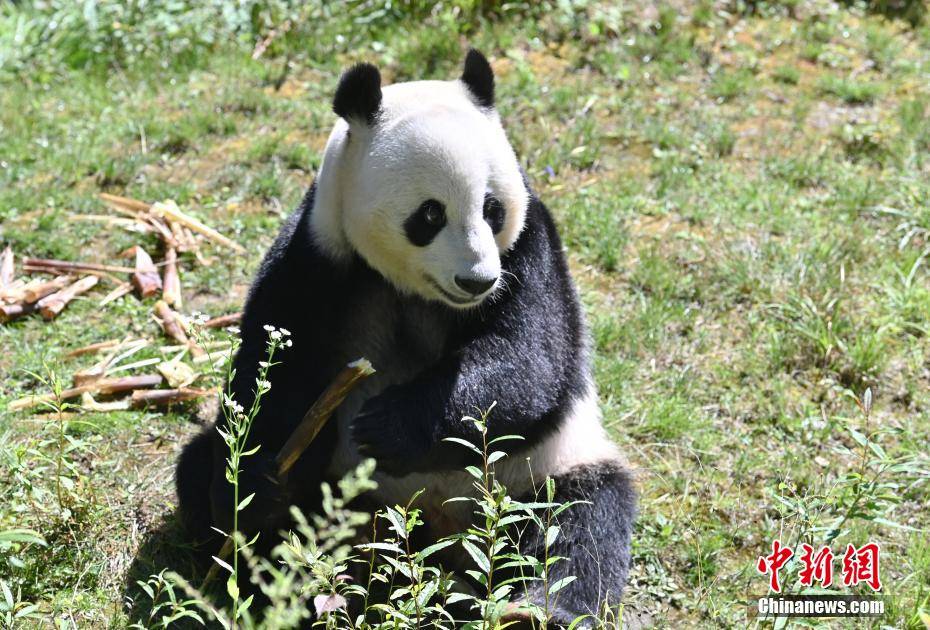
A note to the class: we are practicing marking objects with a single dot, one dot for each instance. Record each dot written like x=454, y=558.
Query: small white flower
x=234, y=330
x=233, y=406
x=268, y=327
x=288, y=343
x=263, y=385
x=264, y=364
x=285, y=332
x=275, y=335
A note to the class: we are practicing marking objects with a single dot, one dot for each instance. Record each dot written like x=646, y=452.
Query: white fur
x=579, y=441
x=429, y=142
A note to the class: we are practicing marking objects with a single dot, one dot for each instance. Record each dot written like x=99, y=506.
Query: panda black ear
x=479, y=78
x=358, y=97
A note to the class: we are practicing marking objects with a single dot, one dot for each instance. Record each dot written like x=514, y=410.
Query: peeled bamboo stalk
x=132, y=224
x=93, y=348
x=223, y=321
x=51, y=305
x=313, y=421
x=88, y=403
x=209, y=345
x=7, y=267
x=169, y=322
x=177, y=233
x=170, y=211
x=50, y=265
x=159, y=397
x=167, y=237
x=37, y=292
x=101, y=386
x=131, y=207
x=122, y=289
x=171, y=285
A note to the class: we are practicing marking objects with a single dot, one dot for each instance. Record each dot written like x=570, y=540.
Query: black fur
x=594, y=541
x=419, y=230
x=479, y=78
x=494, y=213
x=358, y=95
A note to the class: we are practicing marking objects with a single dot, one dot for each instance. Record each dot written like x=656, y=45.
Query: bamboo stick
x=169, y=322
x=93, y=348
x=50, y=265
x=101, y=386
x=7, y=267
x=317, y=416
x=132, y=224
x=122, y=289
x=39, y=291
x=313, y=421
x=167, y=237
x=145, y=278
x=51, y=305
x=223, y=321
x=160, y=397
x=170, y=211
x=171, y=284
x=132, y=207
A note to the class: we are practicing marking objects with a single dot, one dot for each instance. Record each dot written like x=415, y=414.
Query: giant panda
x=422, y=247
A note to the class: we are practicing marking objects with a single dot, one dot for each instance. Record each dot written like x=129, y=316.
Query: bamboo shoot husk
x=51, y=305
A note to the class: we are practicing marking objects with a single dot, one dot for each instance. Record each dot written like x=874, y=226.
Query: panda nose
x=475, y=286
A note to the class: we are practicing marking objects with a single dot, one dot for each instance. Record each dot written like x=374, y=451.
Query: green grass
x=743, y=198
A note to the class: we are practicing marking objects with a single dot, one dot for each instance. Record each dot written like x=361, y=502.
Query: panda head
x=419, y=180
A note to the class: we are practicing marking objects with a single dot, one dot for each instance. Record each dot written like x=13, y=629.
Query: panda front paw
x=382, y=431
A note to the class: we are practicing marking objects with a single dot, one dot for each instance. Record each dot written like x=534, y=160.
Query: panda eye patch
x=494, y=212
x=424, y=224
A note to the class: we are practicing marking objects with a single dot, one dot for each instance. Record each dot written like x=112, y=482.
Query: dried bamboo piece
x=134, y=365
x=131, y=207
x=50, y=266
x=9, y=312
x=39, y=291
x=164, y=231
x=170, y=211
x=209, y=345
x=223, y=321
x=93, y=348
x=101, y=386
x=51, y=305
x=145, y=278
x=131, y=224
x=88, y=403
x=316, y=417
x=159, y=397
x=13, y=292
x=171, y=291
x=7, y=267
x=313, y=421
x=170, y=323
x=177, y=233
x=124, y=288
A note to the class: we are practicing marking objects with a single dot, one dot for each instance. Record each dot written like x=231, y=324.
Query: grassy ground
x=744, y=199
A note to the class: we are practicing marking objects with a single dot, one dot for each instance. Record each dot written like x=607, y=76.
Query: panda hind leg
x=594, y=542
x=193, y=479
